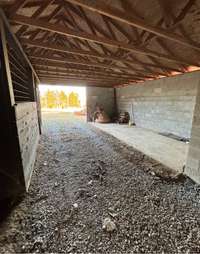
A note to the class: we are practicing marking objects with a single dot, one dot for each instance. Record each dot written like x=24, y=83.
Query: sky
x=67, y=89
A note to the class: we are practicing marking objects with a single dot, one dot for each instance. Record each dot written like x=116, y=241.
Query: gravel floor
x=83, y=176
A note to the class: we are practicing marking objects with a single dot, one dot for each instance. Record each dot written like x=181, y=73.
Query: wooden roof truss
x=107, y=43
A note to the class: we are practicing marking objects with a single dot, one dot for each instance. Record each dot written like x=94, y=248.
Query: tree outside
x=74, y=100
x=63, y=99
x=59, y=99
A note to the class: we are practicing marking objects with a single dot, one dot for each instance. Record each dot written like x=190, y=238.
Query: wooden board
x=28, y=133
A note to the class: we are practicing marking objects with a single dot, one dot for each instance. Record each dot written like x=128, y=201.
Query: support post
x=115, y=102
x=7, y=90
x=37, y=91
x=31, y=85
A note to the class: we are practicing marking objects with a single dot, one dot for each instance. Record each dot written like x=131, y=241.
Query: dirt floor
x=83, y=176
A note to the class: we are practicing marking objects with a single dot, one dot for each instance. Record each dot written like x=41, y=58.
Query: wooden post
x=5, y=69
x=115, y=102
x=31, y=85
x=37, y=92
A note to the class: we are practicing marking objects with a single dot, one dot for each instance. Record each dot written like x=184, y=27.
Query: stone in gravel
x=45, y=163
x=56, y=160
x=82, y=193
x=75, y=205
x=109, y=225
x=116, y=205
x=113, y=214
x=90, y=182
x=39, y=242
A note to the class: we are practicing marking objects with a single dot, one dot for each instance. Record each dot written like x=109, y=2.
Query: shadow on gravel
x=7, y=205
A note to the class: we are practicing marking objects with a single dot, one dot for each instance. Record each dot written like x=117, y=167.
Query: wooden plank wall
x=28, y=134
x=20, y=122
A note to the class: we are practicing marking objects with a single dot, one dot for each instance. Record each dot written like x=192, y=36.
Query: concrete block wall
x=193, y=161
x=103, y=97
x=164, y=105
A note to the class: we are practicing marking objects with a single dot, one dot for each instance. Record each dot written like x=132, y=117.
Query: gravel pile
x=92, y=193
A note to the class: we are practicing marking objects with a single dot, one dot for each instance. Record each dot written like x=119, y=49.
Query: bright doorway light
x=63, y=98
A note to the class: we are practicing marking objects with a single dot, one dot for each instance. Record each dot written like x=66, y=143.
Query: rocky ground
x=92, y=193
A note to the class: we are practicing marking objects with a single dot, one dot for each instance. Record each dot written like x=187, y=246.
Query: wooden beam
x=79, y=52
x=37, y=13
x=43, y=6
x=53, y=77
x=93, y=79
x=63, y=68
x=73, y=83
x=78, y=68
x=53, y=47
x=176, y=22
x=72, y=61
x=81, y=77
x=68, y=75
x=165, y=9
x=89, y=37
x=15, y=7
x=31, y=86
x=71, y=74
x=7, y=2
x=115, y=13
x=2, y=15
x=80, y=82
x=93, y=64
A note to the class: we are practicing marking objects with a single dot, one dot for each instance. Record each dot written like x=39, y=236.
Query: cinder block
x=163, y=105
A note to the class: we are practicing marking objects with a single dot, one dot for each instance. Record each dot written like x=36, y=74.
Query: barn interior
x=139, y=58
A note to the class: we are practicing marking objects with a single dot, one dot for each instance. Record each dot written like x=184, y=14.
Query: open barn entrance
x=63, y=99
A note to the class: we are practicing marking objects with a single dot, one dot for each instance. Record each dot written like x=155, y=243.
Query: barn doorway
x=69, y=100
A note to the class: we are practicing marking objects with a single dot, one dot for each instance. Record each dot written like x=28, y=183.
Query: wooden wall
x=19, y=115
x=28, y=134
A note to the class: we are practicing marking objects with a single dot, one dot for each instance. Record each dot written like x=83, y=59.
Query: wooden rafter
x=74, y=83
x=52, y=47
x=105, y=42
x=95, y=64
x=176, y=21
x=93, y=26
x=89, y=75
x=60, y=67
x=50, y=75
x=70, y=73
x=78, y=77
x=78, y=68
x=6, y=23
x=6, y=2
x=82, y=82
x=115, y=13
x=14, y=8
x=167, y=14
x=85, y=36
